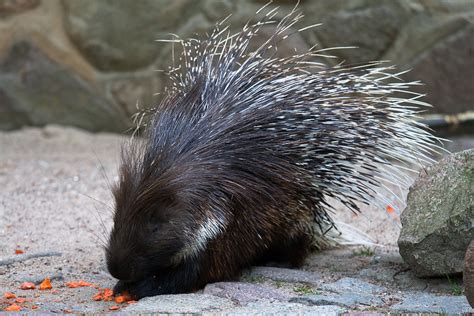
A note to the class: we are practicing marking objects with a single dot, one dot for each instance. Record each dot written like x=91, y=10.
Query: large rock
x=121, y=34
x=420, y=35
x=437, y=225
x=468, y=274
x=217, y=10
x=447, y=71
x=371, y=29
x=34, y=90
x=130, y=90
x=16, y=6
x=451, y=6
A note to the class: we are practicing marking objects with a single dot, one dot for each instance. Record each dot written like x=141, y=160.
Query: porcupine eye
x=155, y=228
x=161, y=222
x=159, y=219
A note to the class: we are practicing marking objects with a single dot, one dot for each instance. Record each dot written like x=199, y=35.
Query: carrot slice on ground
x=27, y=286
x=127, y=296
x=97, y=297
x=84, y=283
x=108, y=294
x=13, y=308
x=120, y=299
x=20, y=300
x=18, y=251
x=114, y=308
x=72, y=284
x=123, y=297
x=9, y=295
x=46, y=284
x=80, y=283
x=104, y=294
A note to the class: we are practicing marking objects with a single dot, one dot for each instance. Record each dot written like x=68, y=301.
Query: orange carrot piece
x=84, y=283
x=46, y=284
x=80, y=283
x=13, y=308
x=120, y=299
x=27, y=286
x=108, y=294
x=97, y=297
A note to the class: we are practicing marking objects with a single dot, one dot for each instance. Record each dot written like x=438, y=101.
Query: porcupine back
x=249, y=133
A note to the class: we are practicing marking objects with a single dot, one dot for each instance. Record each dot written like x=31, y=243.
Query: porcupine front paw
x=120, y=287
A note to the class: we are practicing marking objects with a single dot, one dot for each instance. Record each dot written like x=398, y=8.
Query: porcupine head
x=239, y=159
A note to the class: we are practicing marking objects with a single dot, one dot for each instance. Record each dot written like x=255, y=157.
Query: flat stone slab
x=280, y=308
x=353, y=285
x=430, y=303
x=27, y=256
x=65, y=307
x=245, y=292
x=344, y=300
x=286, y=275
x=181, y=303
x=37, y=278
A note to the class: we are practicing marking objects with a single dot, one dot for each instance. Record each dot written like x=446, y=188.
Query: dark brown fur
x=170, y=184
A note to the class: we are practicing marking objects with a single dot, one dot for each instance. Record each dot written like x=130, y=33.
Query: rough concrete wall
x=87, y=63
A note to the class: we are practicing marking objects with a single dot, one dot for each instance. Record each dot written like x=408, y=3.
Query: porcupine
x=239, y=159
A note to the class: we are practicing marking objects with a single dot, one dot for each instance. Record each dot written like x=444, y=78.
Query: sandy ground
x=51, y=180
x=55, y=196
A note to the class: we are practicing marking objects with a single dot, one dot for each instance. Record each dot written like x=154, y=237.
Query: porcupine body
x=239, y=160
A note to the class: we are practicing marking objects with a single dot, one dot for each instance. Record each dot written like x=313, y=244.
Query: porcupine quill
x=243, y=152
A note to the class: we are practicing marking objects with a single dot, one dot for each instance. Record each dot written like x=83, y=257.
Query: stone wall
x=87, y=63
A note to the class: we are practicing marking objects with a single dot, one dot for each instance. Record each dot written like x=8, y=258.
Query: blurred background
x=87, y=63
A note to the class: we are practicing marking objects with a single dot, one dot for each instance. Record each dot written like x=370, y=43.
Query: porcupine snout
x=121, y=266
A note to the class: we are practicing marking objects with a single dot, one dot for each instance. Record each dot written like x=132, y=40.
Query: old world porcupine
x=240, y=157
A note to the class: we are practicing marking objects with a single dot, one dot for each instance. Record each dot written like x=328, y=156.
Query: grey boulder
x=437, y=225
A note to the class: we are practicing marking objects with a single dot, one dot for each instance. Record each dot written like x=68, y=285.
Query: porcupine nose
x=120, y=268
